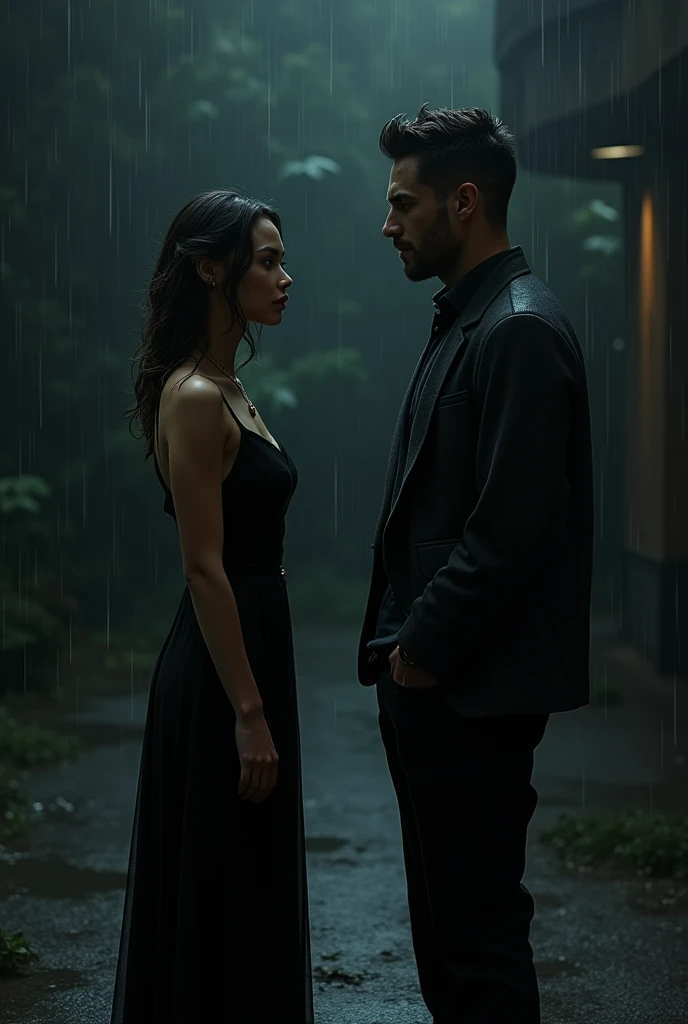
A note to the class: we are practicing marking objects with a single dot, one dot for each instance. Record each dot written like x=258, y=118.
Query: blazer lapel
x=426, y=404
x=513, y=267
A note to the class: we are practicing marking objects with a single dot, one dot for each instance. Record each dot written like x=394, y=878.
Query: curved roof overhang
x=578, y=76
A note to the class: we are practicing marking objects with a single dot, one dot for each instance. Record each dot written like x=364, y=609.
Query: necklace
x=251, y=406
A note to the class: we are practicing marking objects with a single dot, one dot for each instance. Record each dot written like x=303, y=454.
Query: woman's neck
x=222, y=341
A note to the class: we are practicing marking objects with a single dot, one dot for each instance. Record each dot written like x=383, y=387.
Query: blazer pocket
x=455, y=398
x=434, y=555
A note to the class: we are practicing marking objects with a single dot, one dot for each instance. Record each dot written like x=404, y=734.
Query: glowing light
x=616, y=152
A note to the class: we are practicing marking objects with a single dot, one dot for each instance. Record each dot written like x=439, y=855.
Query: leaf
x=202, y=108
x=607, y=244
x=313, y=167
x=223, y=44
x=29, y=484
x=591, y=213
x=19, y=503
x=15, y=951
x=285, y=396
x=603, y=210
x=461, y=8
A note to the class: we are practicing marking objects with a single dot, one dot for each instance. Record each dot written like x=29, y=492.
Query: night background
x=115, y=112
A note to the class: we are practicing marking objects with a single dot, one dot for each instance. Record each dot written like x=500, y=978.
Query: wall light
x=616, y=152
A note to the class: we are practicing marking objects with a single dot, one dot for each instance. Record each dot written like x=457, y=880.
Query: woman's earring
x=212, y=284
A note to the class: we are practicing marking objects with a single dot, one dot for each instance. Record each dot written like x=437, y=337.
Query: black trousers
x=465, y=800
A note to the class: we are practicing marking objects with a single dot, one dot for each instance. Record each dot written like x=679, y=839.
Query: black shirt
x=448, y=303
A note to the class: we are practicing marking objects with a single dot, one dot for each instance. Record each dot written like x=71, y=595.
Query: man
x=477, y=623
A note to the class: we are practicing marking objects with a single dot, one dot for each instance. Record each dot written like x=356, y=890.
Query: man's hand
x=409, y=675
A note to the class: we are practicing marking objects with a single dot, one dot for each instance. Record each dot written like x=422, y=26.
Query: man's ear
x=465, y=200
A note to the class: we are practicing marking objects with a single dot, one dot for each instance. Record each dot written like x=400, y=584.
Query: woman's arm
x=196, y=434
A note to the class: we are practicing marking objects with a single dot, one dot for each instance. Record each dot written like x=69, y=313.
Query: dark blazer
x=488, y=543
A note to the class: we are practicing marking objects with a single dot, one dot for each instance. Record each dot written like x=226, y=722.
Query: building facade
x=599, y=89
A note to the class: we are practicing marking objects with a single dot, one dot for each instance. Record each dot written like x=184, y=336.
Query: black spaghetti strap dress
x=216, y=923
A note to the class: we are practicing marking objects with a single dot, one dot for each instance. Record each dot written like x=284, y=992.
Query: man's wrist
x=404, y=658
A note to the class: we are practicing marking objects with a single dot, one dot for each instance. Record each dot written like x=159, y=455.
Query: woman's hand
x=257, y=756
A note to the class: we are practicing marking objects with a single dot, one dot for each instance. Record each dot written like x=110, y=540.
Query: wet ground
x=608, y=950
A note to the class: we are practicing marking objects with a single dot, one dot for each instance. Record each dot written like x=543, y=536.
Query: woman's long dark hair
x=217, y=224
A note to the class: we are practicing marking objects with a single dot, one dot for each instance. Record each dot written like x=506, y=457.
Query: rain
x=116, y=113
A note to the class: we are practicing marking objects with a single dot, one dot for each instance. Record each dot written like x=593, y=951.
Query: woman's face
x=262, y=291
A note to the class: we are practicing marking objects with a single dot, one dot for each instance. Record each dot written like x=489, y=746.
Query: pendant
x=252, y=409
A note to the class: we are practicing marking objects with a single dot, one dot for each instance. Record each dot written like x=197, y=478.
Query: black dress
x=216, y=923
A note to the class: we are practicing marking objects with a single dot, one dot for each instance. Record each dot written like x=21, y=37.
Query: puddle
x=347, y=862
x=25, y=990
x=324, y=844
x=560, y=968
x=332, y=974
x=54, y=879
x=388, y=956
x=340, y=977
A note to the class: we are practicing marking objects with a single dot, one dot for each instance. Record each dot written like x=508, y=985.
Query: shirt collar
x=450, y=302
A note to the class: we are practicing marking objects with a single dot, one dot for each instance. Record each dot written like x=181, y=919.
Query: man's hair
x=453, y=146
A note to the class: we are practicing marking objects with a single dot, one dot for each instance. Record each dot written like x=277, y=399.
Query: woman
x=216, y=913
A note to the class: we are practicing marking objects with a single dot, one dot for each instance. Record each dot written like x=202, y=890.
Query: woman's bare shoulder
x=192, y=398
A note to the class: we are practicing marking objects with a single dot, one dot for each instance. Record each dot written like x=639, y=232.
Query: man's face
x=419, y=226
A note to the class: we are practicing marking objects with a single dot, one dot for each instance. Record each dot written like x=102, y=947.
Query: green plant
x=15, y=953
x=31, y=746
x=14, y=805
x=35, y=610
x=314, y=167
x=22, y=494
x=597, y=229
x=26, y=621
x=23, y=747
x=282, y=387
x=36, y=616
x=649, y=843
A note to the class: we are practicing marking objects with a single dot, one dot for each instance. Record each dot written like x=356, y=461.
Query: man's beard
x=436, y=251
